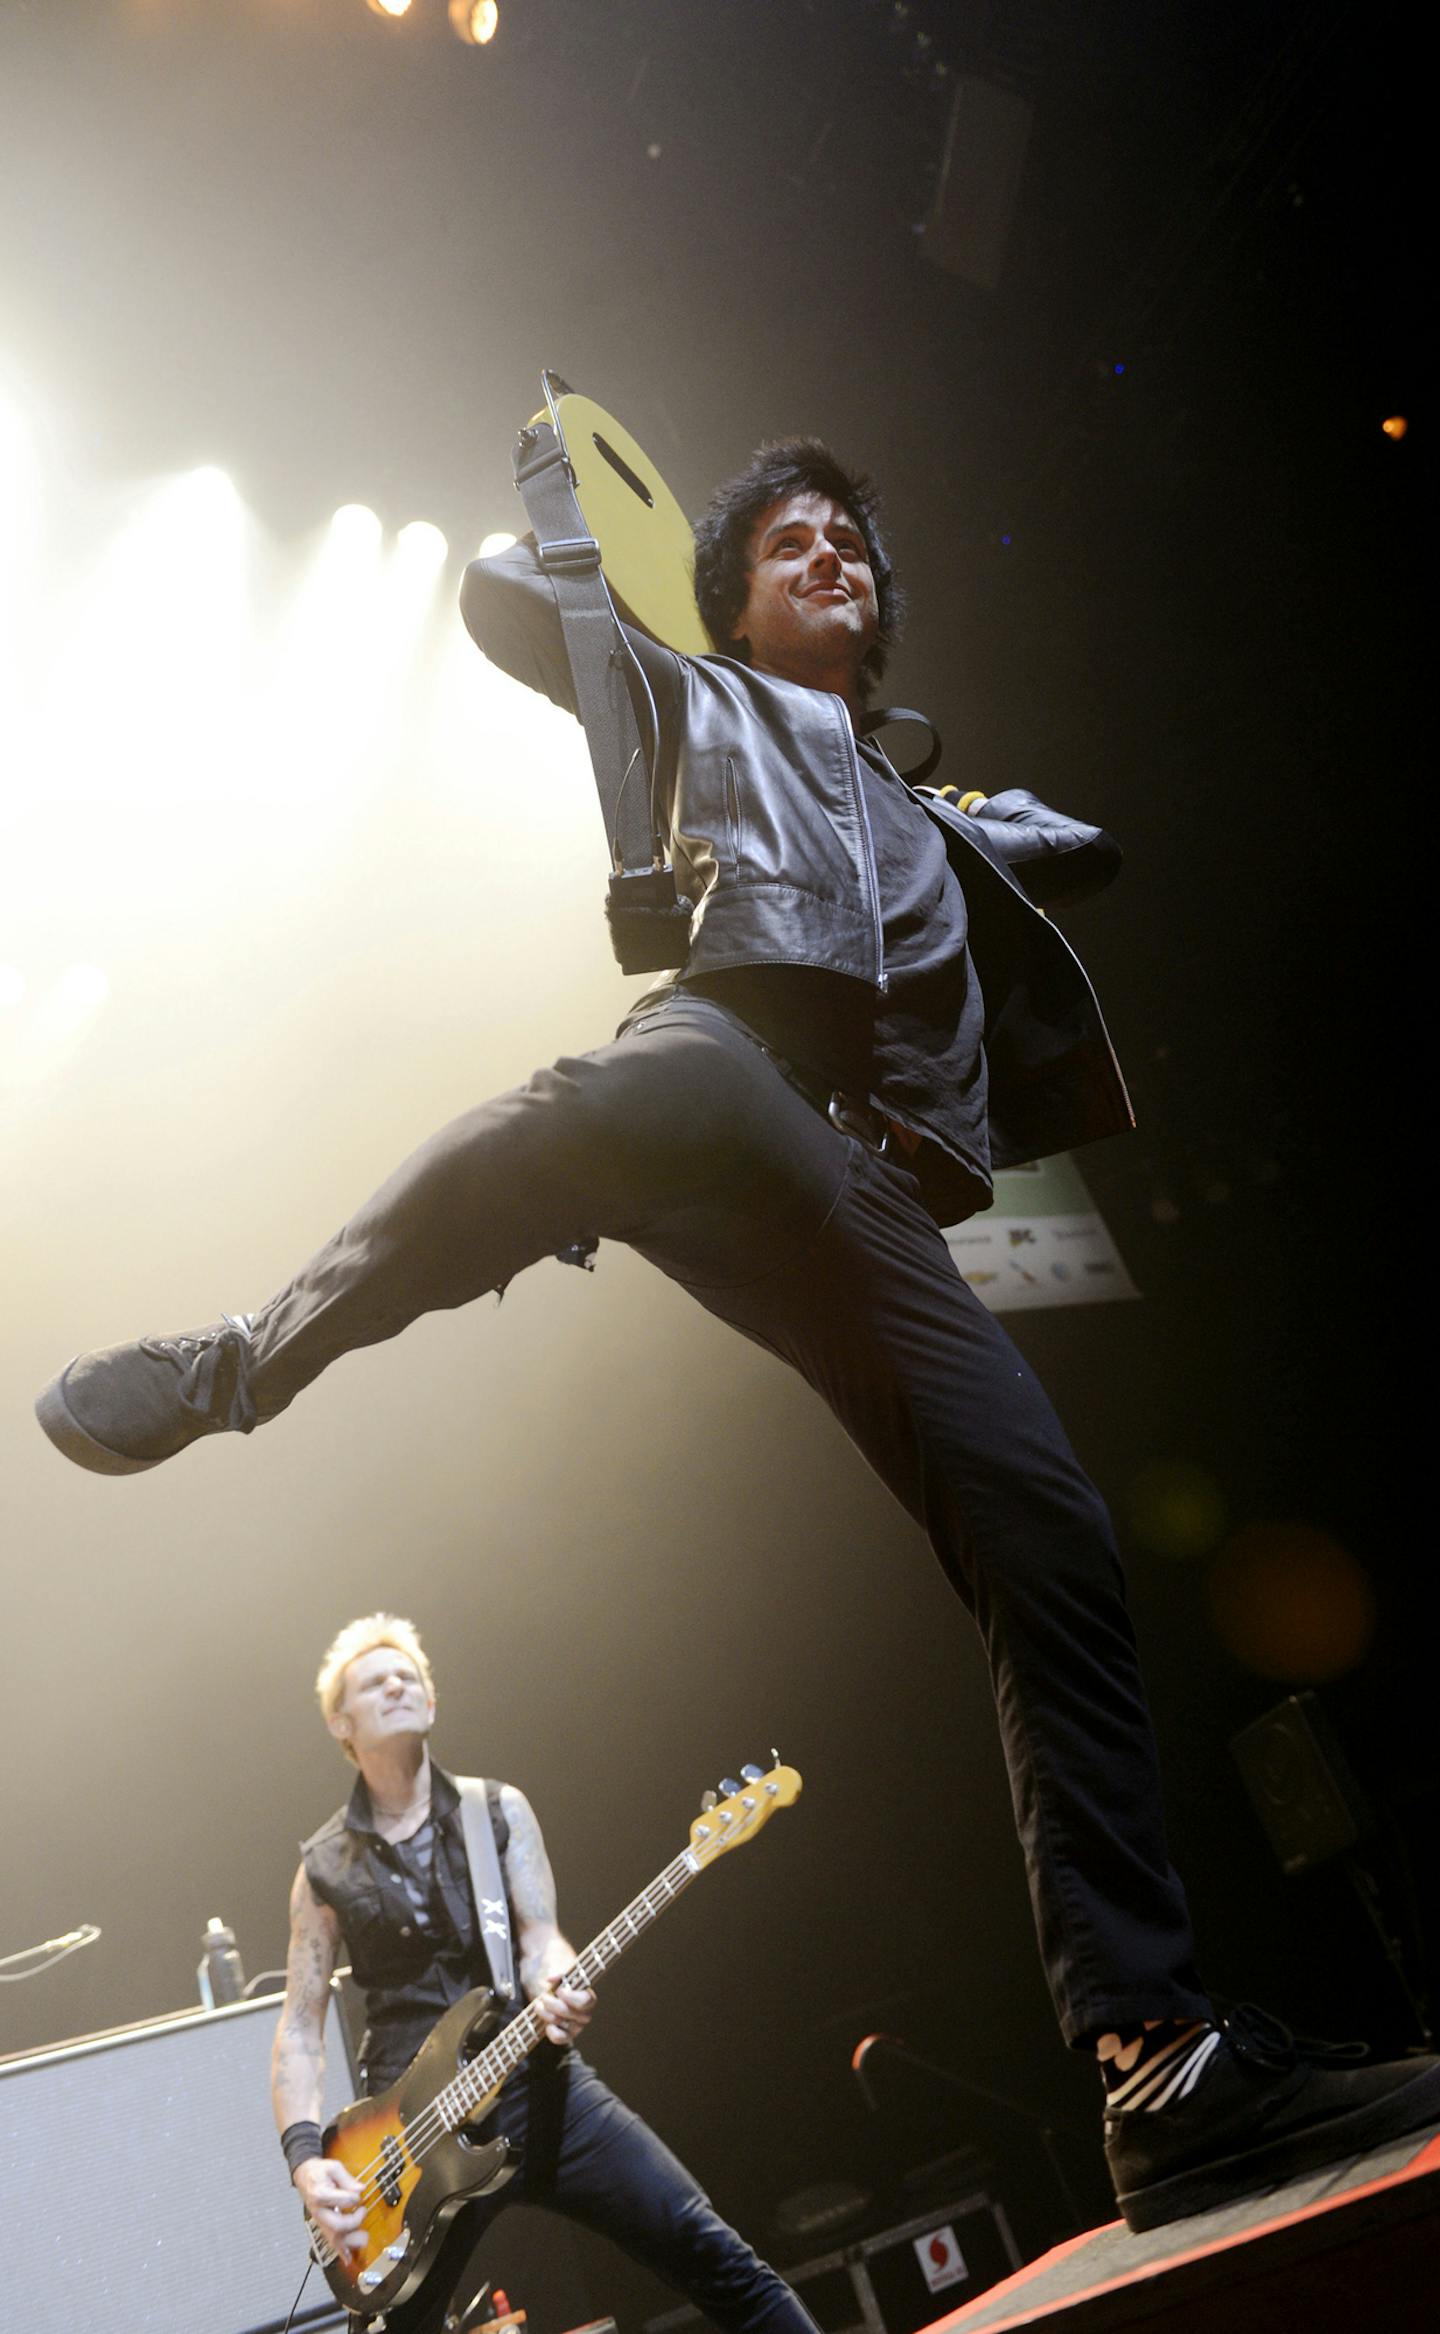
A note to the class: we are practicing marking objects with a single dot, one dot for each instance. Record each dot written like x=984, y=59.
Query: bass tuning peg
x=708, y=1800
x=752, y=1774
x=729, y=1786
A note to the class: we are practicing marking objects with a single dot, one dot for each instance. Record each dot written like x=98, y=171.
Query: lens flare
x=475, y=22
x=1291, y=1603
x=1176, y=1509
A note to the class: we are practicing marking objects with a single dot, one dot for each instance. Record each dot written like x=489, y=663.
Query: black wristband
x=300, y=2142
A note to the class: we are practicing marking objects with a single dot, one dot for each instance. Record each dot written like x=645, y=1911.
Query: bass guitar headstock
x=727, y=1821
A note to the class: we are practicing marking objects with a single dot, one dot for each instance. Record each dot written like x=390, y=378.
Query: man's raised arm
x=510, y=613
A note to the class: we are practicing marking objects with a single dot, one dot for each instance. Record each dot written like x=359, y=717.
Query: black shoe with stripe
x=1259, y=2109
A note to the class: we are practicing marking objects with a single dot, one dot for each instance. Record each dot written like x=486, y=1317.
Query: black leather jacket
x=760, y=784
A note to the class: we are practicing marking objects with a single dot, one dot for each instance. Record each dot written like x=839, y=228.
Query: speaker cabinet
x=1300, y=1784
x=144, y=2189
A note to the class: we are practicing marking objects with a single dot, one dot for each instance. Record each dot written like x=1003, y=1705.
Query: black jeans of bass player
x=683, y=1139
x=584, y=2154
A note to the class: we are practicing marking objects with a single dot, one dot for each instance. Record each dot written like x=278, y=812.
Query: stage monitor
x=145, y=2191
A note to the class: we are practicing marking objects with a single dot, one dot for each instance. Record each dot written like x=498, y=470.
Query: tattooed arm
x=297, y=2062
x=545, y=1953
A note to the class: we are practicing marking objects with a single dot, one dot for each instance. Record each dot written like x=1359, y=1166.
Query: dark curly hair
x=775, y=471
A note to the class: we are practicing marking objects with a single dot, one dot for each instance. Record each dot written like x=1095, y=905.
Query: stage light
x=390, y=7
x=492, y=544
x=161, y=633
x=1395, y=427
x=12, y=986
x=475, y=22
x=422, y=546
x=206, y=498
x=356, y=530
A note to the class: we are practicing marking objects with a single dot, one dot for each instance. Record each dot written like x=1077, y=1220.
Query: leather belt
x=849, y=1114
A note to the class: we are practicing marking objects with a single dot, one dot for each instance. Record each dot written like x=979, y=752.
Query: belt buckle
x=859, y=1119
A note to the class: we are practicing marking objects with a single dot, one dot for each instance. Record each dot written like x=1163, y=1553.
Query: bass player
x=388, y=1880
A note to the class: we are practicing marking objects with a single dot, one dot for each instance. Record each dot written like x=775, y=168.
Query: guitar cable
x=294, y=2306
x=635, y=667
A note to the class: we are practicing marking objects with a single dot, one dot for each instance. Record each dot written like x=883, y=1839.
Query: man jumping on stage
x=389, y=1878
x=874, y=1012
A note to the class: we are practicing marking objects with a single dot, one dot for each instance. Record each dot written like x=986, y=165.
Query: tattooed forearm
x=297, y=2063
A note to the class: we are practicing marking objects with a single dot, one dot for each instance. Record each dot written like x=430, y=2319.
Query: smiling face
x=810, y=614
x=384, y=1700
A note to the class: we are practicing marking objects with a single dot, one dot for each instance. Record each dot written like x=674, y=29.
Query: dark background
x=332, y=253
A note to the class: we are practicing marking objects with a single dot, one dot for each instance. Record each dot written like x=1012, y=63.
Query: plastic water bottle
x=221, y=1975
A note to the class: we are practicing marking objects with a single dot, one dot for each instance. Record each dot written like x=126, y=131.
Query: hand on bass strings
x=333, y=2200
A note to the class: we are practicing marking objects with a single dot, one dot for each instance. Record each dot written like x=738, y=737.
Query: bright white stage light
x=12, y=987
x=422, y=546
x=148, y=682
x=196, y=517
x=491, y=544
x=356, y=529
x=208, y=496
x=412, y=575
x=391, y=7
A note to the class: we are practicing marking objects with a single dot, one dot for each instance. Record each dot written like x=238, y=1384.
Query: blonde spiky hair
x=363, y=1636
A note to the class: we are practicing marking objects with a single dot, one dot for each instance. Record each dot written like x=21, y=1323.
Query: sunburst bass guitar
x=417, y=2153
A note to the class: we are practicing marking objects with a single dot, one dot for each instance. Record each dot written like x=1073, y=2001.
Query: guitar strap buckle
x=570, y=555
x=537, y=451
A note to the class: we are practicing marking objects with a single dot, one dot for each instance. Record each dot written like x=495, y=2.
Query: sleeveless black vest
x=407, y=1972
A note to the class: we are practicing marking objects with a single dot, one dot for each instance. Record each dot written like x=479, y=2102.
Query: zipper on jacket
x=882, y=978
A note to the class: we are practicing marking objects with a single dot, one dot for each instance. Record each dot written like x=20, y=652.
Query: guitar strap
x=648, y=922
x=882, y=716
x=479, y=1804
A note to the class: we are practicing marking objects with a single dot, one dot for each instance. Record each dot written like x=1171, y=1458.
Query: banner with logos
x=1044, y=1242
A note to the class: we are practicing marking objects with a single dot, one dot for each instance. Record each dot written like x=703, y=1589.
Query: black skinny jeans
x=684, y=1140
x=586, y=2155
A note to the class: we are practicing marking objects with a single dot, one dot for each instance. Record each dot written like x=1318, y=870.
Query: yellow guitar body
x=646, y=547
